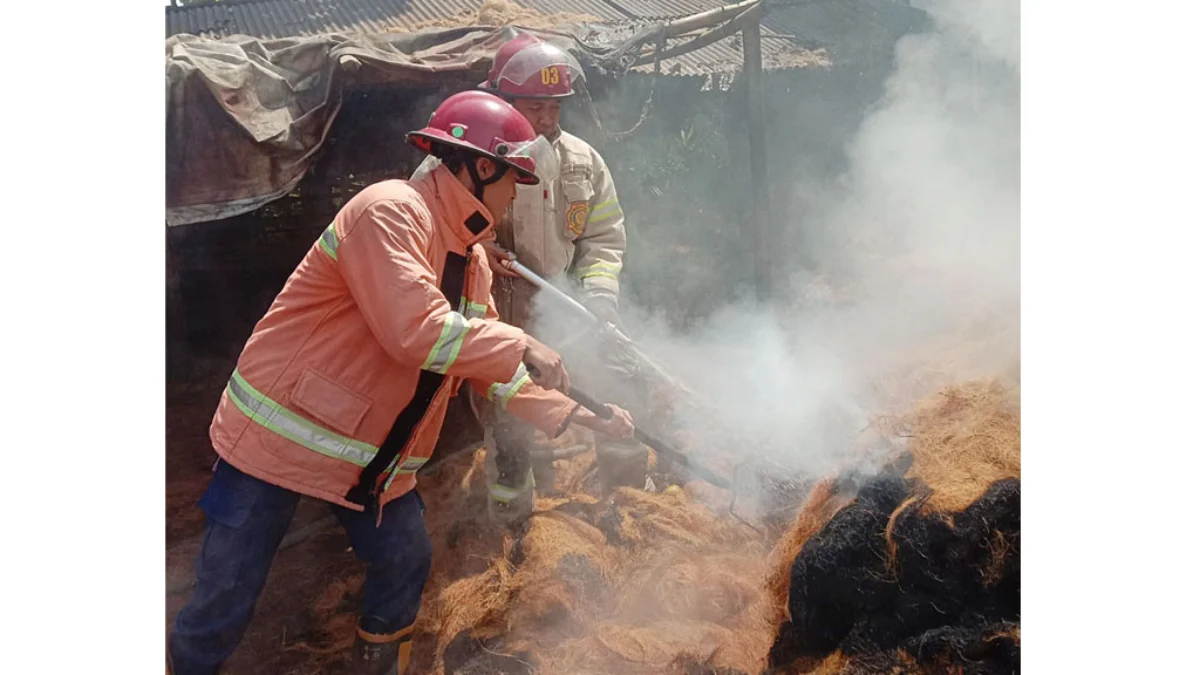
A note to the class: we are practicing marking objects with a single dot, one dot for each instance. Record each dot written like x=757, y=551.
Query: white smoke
x=918, y=239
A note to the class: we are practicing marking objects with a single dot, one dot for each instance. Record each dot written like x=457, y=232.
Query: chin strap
x=479, y=183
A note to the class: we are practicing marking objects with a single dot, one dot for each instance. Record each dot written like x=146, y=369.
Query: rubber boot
x=509, y=471
x=376, y=653
x=508, y=503
x=623, y=464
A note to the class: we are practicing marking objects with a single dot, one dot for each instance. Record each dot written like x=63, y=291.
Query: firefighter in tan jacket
x=570, y=229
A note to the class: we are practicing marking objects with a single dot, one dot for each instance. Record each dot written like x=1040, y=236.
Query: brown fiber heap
x=636, y=583
x=921, y=573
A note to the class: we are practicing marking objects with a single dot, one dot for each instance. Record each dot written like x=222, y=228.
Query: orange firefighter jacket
x=341, y=390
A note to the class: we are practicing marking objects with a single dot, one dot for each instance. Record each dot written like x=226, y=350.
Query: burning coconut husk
x=922, y=570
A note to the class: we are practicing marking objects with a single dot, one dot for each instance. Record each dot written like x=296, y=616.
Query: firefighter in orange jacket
x=340, y=392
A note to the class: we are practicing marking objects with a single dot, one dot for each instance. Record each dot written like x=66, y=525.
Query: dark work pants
x=247, y=519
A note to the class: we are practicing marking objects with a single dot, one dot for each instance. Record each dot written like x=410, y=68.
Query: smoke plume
x=916, y=244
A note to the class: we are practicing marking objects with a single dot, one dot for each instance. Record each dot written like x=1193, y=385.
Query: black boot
x=623, y=463
x=376, y=653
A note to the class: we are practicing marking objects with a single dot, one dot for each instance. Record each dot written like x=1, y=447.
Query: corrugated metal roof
x=667, y=9
x=725, y=58
x=720, y=58
x=284, y=18
x=821, y=23
x=597, y=8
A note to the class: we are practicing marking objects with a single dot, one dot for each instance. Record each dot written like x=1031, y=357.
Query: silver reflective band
x=472, y=310
x=445, y=350
x=503, y=393
x=412, y=464
x=279, y=420
x=409, y=466
x=600, y=269
x=605, y=210
x=503, y=494
x=329, y=241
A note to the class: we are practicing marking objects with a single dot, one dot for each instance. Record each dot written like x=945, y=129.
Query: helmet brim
x=423, y=140
x=509, y=96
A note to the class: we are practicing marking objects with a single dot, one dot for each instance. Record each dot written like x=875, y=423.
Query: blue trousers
x=246, y=520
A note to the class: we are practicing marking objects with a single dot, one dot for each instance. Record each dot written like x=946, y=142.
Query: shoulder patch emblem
x=577, y=217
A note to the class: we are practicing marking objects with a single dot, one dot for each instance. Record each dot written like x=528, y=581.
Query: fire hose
x=607, y=328
x=683, y=461
x=602, y=410
x=663, y=449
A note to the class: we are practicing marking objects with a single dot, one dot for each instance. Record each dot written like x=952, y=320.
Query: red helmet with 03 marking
x=529, y=67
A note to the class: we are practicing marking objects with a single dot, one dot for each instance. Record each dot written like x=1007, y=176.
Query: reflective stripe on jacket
x=356, y=359
x=572, y=230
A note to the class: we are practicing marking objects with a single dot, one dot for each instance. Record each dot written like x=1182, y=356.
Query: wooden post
x=763, y=241
x=178, y=352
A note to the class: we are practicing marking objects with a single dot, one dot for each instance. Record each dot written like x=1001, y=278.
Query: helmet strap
x=480, y=183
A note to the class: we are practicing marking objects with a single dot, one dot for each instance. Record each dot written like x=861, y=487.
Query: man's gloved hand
x=604, y=307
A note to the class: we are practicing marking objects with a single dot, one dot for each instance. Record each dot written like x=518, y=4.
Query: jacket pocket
x=329, y=402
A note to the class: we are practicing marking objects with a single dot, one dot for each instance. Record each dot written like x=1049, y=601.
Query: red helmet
x=487, y=126
x=528, y=67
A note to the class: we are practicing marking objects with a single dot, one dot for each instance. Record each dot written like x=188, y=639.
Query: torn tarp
x=245, y=117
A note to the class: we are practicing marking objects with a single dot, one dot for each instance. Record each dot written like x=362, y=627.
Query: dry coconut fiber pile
x=913, y=570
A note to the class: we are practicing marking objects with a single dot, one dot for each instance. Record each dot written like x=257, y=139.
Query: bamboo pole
x=707, y=18
x=703, y=40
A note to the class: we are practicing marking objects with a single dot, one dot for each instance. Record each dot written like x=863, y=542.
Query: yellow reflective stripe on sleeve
x=329, y=242
x=604, y=210
x=445, y=350
x=601, y=269
x=502, y=393
x=472, y=310
x=283, y=422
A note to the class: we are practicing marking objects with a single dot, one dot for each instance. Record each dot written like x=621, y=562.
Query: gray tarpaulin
x=245, y=117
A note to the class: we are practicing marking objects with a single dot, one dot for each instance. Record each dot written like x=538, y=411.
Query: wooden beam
x=707, y=18
x=703, y=40
x=763, y=240
x=652, y=34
